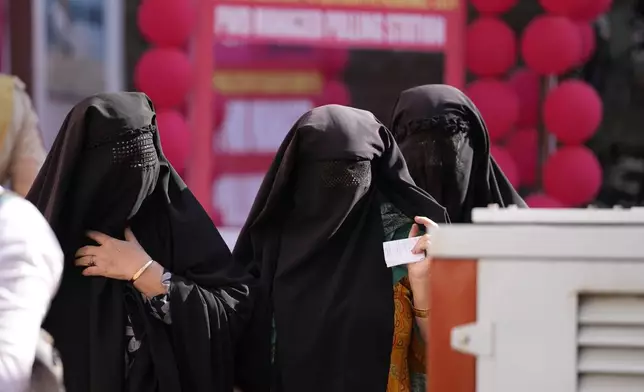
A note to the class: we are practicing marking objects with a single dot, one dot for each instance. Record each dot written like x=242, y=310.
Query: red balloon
x=573, y=176
x=334, y=61
x=491, y=47
x=507, y=165
x=523, y=146
x=527, y=85
x=539, y=200
x=572, y=112
x=590, y=10
x=493, y=7
x=498, y=104
x=588, y=41
x=175, y=137
x=334, y=92
x=164, y=75
x=561, y=7
x=166, y=23
x=551, y=45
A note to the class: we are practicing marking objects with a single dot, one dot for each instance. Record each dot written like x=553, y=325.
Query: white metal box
x=559, y=301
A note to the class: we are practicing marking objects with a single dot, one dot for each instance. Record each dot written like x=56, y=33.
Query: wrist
x=418, y=282
x=136, y=267
x=150, y=282
x=420, y=292
x=141, y=268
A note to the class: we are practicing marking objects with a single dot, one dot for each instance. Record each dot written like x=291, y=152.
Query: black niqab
x=316, y=233
x=105, y=171
x=447, y=147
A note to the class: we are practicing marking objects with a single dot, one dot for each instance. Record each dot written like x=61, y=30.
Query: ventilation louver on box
x=610, y=343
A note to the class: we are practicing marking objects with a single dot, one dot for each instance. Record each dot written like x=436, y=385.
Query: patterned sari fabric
x=407, y=368
x=407, y=371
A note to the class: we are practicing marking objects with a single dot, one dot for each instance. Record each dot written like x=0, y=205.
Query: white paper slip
x=398, y=252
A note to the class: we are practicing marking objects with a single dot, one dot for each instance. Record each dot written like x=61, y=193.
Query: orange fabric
x=408, y=350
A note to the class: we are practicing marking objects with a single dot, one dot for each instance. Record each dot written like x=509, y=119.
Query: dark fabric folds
x=106, y=171
x=315, y=234
x=446, y=144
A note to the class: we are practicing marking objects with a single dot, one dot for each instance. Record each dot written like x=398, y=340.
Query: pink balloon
x=573, y=111
x=490, y=47
x=539, y=200
x=166, y=23
x=523, y=146
x=527, y=85
x=572, y=175
x=493, y=7
x=551, y=45
x=333, y=61
x=175, y=137
x=164, y=75
x=588, y=41
x=507, y=165
x=498, y=104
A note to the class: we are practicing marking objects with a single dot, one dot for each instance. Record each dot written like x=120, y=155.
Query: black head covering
x=316, y=233
x=447, y=147
x=104, y=172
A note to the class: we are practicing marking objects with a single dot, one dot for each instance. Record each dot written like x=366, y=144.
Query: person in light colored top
x=31, y=264
x=21, y=148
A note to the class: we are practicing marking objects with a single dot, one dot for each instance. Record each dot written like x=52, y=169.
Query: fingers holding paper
x=423, y=244
x=420, y=270
x=425, y=240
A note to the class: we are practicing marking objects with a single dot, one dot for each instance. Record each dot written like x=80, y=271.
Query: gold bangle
x=420, y=313
x=141, y=271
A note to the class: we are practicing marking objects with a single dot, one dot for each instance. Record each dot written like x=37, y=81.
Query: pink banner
x=422, y=25
x=332, y=27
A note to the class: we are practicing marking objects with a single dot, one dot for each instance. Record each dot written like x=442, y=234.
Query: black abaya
x=446, y=145
x=105, y=171
x=316, y=233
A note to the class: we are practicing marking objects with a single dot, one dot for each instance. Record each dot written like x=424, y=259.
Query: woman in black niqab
x=315, y=231
x=106, y=171
x=446, y=145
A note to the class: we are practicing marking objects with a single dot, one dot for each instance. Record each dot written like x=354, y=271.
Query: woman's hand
x=113, y=258
x=418, y=273
x=420, y=270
